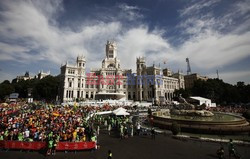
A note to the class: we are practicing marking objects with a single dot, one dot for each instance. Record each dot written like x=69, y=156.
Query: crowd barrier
x=1, y=144
x=43, y=145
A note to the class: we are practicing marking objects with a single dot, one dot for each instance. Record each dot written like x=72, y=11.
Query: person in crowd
x=109, y=128
x=121, y=131
x=98, y=130
x=153, y=133
x=1, y=136
x=138, y=129
x=109, y=154
x=50, y=146
x=131, y=130
x=232, y=150
x=55, y=142
x=220, y=153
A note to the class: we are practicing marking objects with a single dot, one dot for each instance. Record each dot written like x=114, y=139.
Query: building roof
x=200, y=98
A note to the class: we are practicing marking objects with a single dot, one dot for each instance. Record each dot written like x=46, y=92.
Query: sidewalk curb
x=186, y=137
x=238, y=142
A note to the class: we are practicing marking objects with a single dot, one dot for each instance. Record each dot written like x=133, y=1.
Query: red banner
x=75, y=145
x=24, y=145
x=43, y=145
x=1, y=144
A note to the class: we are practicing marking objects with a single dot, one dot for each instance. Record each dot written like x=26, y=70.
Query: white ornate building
x=112, y=82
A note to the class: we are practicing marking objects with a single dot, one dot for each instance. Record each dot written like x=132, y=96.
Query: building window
x=78, y=94
x=129, y=95
x=70, y=71
x=111, y=53
x=69, y=94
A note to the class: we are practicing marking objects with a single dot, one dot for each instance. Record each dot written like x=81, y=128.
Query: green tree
x=185, y=93
x=221, y=92
x=5, y=89
x=175, y=128
x=47, y=88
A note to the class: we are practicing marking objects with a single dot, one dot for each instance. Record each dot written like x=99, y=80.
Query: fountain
x=199, y=121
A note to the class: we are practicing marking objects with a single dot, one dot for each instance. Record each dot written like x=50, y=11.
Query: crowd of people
x=229, y=109
x=231, y=151
x=54, y=123
x=62, y=123
x=6, y=109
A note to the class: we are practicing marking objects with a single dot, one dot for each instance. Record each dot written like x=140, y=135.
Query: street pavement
x=137, y=147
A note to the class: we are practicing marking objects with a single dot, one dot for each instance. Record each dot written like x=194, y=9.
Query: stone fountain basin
x=219, y=123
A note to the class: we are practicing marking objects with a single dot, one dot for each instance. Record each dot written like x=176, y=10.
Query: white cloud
x=214, y=41
x=243, y=7
x=197, y=7
x=11, y=51
x=212, y=50
x=140, y=42
x=37, y=33
x=130, y=12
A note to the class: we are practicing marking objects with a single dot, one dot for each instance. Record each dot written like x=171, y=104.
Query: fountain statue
x=185, y=108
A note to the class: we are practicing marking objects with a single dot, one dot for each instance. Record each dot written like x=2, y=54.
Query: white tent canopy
x=103, y=113
x=120, y=111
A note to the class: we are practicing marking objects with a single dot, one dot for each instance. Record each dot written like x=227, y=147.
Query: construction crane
x=217, y=72
x=188, y=67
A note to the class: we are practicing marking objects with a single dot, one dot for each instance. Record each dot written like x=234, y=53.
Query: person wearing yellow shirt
x=74, y=136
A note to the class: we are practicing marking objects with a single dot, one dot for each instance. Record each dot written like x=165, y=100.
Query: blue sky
x=43, y=35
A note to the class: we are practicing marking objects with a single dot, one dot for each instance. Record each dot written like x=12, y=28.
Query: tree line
x=44, y=89
x=218, y=91
x=214, y=89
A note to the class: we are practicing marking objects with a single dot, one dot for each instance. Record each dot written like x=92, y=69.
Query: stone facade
x=190, y=79
x=25, y=77
x=42, y=74
x=112, y=82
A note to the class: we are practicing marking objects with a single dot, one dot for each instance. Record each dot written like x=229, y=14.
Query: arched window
x=111, y=65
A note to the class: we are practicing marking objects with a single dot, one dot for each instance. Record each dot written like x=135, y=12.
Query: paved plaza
x=138, y=147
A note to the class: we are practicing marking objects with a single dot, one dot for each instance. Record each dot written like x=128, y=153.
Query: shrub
x=246, y=114
x=175, y=128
